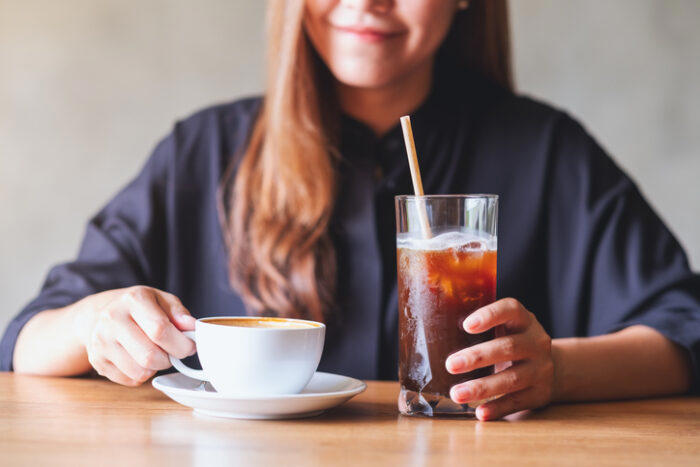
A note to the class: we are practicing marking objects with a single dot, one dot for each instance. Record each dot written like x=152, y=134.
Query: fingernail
x=472, y=322
x=482, y=413
x=455, y=364
x=460, y=394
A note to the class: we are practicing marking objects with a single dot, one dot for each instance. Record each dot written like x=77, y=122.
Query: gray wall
x=88, y=86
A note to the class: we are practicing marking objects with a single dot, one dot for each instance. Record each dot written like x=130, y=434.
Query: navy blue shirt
x=578, y=244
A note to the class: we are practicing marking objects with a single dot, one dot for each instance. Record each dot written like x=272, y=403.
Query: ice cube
x=462, y=240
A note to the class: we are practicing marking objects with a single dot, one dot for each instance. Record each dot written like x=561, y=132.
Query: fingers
x=529, y=398
x=513, y=379
x=520, y=339
x=142, y=350
x=134, y=334
x=508, y=312
x=173, y=307
x=111, y=372
x=502, y=349
x=111, y=360
x=126, y=364
x=148, y=313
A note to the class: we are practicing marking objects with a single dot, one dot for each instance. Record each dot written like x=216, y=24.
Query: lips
x=368, y=34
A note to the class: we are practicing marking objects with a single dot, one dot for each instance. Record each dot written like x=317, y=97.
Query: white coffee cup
x=247, y=356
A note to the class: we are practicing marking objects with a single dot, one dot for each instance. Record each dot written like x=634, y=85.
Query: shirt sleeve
x=612, y=261
x=123, y=245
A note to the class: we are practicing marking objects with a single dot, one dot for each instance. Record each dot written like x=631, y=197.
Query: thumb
x=176, y=311
x=183, y=321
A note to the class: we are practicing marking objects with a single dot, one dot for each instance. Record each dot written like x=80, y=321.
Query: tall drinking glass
x=446, y=258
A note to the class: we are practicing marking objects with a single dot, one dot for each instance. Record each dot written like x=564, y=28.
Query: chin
x=365, y=75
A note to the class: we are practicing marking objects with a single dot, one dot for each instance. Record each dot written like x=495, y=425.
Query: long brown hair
x=282, y=260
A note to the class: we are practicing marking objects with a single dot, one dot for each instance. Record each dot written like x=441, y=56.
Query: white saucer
x=325, y=390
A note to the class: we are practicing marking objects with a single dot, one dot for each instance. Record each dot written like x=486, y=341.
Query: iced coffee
x=442, y=278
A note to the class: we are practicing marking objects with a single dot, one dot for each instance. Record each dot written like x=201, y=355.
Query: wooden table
x=50, y=421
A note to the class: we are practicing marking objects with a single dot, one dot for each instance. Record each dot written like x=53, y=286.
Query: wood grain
x=61, y=421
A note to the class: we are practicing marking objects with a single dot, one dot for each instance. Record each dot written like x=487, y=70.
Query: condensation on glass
x=446, y=259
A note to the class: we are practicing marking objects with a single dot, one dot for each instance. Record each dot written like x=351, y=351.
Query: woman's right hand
x=129, y=335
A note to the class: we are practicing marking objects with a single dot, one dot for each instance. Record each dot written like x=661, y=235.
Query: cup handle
x=184, y=369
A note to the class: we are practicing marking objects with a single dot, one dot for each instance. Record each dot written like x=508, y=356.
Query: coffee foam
x=270, y=323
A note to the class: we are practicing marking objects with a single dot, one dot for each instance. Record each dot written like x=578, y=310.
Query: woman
x=285, y=207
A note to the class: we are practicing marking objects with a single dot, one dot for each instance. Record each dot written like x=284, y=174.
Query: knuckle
x=490, y=313
x=144, y=375
x=515, y=379
x=96, y=341
x=159, y=329
x=475, y=357
x=511, y=303
x=148, y=359
x=509, y=346
x=152, y=359
x=476, y=390
x=111, y=314
x=137, y=293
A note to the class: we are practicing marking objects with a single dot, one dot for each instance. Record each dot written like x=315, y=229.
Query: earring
x=462, y=4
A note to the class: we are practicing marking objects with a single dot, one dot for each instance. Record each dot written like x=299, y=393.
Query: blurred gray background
x=87, y=87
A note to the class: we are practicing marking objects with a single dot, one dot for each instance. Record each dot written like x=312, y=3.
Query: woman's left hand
x=528, y=383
